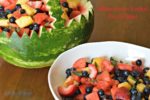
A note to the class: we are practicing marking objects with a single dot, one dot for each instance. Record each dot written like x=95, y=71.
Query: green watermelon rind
x=38, y=52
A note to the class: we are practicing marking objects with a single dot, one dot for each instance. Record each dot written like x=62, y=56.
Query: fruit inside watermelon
x=34, y=32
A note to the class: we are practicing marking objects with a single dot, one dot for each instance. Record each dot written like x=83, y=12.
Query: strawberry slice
x=35, y=4
x=40, y=17
x=93, y=71
x=92, y=96
x=125, y=67
x=107, y=66
x=67, y=91
x=80, y=63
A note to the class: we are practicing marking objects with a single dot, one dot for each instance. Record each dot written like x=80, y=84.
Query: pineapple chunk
x=29, y=10
x=24, y=21
x=4, y=22
x=73, y=3
x=148, y=73
x=22, y=1
x=140, y=87
x=98, y=62
x=131, y=80
x=125, y=84
x=9, y=15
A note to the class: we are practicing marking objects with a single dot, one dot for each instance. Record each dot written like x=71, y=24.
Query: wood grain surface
x=24, y=84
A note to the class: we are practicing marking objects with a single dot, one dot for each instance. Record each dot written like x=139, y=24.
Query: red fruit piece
x=40, y=17
x=82, y=89
x=113, y=92
x=35, y=4
x=4, y=3
x=11, y=6
x=103, y=85
x=79, y=97
x=67, y=91
x=0, y=30
x=76, y=78
x=122, y=94
x=92, y=96
x=80, y=63
x=125, y=67
x=75, y=14
x=86, y=81
x=104, y=76
x=12, y=1
x=93, y=71
x=107, y=66
x=23, y=30
x=17, y=14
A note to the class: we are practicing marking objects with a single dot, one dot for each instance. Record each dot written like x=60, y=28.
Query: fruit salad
x=106, y=79
x=26, y=16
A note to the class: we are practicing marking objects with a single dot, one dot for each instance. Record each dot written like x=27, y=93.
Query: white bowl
x=56, y=75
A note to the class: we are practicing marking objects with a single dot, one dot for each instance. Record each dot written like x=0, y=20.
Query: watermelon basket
x=34, y=33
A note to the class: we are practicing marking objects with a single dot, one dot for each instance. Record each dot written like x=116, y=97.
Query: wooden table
x=24, y=84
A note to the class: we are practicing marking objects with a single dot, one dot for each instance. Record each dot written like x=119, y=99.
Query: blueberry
x=126, y=73
x=69, y=11
x=139, y=96
x=38, y=10
x=77, y=92
x=68, y=72
x=109, y=97
x=146, y=69
x=135, y=74
x=31, y=27
x=22, y=11
x=147, y=90
x=73, y=69
x=8, y=11
x=121, y=79
x=138, y=62
x=89, y=89
x=118, y=72
x=133, y=91
x=146, y=80
x=18, y=6
x=3, y=15
x=12, y=19
x=65, y=4
x=6, y=30
x=85, y=74
x=133, y=97
x=1, y=8
x=35, y=27
x=101, y=93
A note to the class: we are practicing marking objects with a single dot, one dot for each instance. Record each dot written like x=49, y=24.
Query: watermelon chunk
x=40, y=17
x=4, y=3
x=92, y=96
x=11, y=6
x=80, y=63
x=125, y=67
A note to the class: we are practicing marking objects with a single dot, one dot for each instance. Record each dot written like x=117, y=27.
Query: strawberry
x=67, y=91
x=92, y=96
x=93, y=71
x=125, y=67
x=80, y=63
